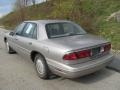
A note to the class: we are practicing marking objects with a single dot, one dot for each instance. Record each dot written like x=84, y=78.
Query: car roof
x=47, y=21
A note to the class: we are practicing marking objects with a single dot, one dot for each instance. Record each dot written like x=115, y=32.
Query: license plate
x=97, y=56
x=96, y=51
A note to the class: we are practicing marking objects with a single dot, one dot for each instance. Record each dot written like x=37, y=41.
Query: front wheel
x=9, y=49
x=41, y=67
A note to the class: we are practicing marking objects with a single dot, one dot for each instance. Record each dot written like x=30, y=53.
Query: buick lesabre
x=60, y=47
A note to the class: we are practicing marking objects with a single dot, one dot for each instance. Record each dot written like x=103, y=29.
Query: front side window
x=20, y=28
x=29, y=30
x=63, y=29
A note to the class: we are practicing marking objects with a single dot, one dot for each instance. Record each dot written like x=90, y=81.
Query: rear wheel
x=41, y=67
x=8, y=48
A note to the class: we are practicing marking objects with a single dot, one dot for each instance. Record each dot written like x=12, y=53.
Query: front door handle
x=16, y=39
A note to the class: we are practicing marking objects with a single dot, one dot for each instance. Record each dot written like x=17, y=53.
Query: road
x=17, y=73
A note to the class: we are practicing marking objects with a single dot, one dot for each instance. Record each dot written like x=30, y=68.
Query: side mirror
x=11, y=33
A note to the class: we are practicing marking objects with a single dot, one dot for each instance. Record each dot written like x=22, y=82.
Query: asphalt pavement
x=115, y=65
x=18, y=73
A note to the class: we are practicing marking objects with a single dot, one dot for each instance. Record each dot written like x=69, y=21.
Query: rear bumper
x=75, y=71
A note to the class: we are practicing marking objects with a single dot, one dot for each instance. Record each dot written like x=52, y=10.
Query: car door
x=26, y=39
x=13, y=39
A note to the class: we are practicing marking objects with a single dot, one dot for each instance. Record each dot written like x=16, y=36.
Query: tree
x=34, y=2
x=29, y=2
x=20, y=6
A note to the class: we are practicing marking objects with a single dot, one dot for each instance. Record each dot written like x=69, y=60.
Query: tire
x=9, y=49
x=42, y=67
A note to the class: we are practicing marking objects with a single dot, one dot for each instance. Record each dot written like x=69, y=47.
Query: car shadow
x=94, y=77
x=88, y=79
x=115, y=65
x=53, y=77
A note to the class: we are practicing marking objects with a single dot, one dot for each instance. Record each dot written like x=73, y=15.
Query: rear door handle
x=30, y=43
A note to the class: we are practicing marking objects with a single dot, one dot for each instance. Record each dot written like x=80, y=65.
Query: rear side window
x=30, y=30
x=20, y=28
x=35, y=33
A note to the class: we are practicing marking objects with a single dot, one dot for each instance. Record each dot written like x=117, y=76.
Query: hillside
x=90, y=14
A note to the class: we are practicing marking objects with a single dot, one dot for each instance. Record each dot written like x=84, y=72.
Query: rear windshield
x=63, y=29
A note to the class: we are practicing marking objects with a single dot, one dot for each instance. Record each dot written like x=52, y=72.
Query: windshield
x=63, y=29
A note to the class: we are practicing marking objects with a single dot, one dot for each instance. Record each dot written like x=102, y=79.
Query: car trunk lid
x=79, y=41
x=83, y=42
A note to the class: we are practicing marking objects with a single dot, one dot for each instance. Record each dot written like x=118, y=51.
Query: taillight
x=70, y=56
x=84, y=54
x=77, y=55
x=107, y=47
